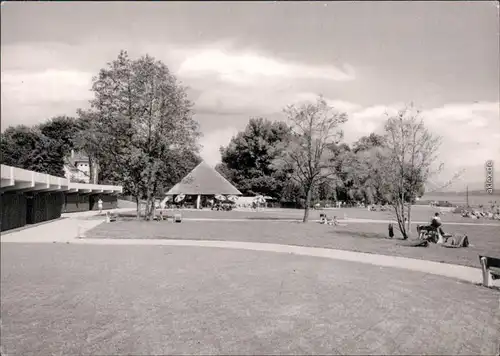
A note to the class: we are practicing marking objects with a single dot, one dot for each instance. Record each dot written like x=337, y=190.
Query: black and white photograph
x=250, y=178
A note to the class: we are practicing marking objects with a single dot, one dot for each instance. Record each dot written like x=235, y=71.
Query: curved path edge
x=68, y=230
x=464, y=273
x=348, y=220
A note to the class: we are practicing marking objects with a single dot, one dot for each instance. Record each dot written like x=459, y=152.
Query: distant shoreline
x=460, y=198
x=471, y=193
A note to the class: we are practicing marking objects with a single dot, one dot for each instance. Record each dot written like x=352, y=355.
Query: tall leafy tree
x=367, y=166
x=247, y=160
x=27, y=148
x=407, y=163
x=86, y=140
x=307, y=157
x=360, y=171
x=141, y=118
x=62, y=130
x=367, y=142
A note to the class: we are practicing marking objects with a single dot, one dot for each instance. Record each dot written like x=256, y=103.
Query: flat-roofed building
x=28, y=197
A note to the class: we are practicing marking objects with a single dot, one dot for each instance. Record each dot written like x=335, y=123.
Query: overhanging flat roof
x=18, y=179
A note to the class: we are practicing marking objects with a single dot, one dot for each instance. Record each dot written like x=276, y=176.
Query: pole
x=467, y=195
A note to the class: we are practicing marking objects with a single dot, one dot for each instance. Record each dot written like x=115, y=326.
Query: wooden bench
x=491, y=269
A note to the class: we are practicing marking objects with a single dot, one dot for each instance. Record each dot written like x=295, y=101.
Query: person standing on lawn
x=99, y=205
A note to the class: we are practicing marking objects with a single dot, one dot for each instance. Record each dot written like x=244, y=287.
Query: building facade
x=28, y=197
x=77, y=168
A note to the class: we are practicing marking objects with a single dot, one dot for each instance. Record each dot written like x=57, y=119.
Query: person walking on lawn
x=99, y=205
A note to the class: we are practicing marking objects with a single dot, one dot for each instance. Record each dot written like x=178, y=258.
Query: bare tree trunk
x=147, y=213
x=404, y=232
x=138, y=206
x=308, y=203
x=399, y=218
x=152, y=209
x=151, y=192
x=408, y=230
x=96, y=171
x=91, y=170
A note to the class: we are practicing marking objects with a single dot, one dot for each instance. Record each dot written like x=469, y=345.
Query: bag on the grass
x=458, y=241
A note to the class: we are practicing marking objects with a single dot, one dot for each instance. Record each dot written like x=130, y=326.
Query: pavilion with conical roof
x=203, y=181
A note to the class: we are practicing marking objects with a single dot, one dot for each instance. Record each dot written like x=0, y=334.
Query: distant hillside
x=464, y=193
x=460, y=198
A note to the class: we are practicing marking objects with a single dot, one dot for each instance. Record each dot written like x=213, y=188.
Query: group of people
x=481, y=214
x=324, y=220
x=376, y=207
x=343, y=204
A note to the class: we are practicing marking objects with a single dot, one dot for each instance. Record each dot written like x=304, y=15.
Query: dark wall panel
x=74, y=202
x=43, y=207
x=70, y=203
x=55, y=203
x=13, y=210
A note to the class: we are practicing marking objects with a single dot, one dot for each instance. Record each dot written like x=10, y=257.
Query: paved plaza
x=70, y=295
x=89, y=299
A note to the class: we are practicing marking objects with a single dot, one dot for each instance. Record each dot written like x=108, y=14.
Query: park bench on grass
x=491, y=269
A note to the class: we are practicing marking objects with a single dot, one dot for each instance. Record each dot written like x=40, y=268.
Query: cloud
x=251, y=68
x=363, y=121
x=344, y=106
x=32, y=97
x=470, y=133
x=212, y=141
x=47, y=86
x=230, y=86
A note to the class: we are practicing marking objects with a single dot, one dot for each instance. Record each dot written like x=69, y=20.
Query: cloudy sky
x=242, y=60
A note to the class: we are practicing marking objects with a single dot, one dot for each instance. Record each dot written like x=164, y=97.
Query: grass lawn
x=141, y=300
x=419, y=213
x=362, y=237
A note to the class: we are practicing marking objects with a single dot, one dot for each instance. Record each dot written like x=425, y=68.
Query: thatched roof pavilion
x=203, y=180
